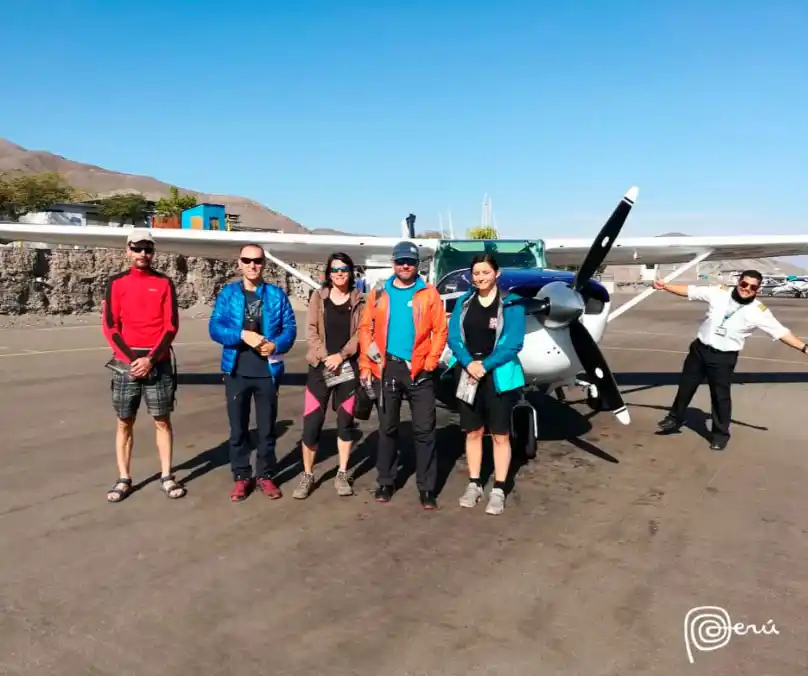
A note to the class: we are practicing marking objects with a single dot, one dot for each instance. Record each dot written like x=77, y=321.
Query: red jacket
x=140, y=311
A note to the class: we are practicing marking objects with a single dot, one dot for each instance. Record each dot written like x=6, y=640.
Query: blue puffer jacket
x=227, y=321
x=510, y=337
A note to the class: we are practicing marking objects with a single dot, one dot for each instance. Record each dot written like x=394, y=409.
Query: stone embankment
x=62, y=282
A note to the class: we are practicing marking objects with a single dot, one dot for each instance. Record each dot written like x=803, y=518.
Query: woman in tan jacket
x=333, y=349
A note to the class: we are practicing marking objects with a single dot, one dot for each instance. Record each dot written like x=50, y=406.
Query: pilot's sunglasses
x=344, y=268
x=247, y=261
x=404, y=261
x=142, y=249
x=747, y=285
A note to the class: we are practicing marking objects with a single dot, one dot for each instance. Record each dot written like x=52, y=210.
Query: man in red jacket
x=140, y=321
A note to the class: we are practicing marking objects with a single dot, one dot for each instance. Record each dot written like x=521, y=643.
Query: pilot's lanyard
x=720, y=330
x=728, y=315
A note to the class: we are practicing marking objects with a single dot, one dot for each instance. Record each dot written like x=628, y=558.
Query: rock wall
x=69, y=281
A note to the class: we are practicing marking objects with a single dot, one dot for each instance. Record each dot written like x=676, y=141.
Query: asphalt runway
x=611, y=536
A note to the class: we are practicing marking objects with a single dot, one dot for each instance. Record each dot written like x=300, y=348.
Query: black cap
x=406, y=250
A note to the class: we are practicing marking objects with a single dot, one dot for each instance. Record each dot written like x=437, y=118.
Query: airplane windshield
x=457, y=254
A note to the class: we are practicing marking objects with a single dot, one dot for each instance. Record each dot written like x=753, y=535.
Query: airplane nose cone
x=566, y=304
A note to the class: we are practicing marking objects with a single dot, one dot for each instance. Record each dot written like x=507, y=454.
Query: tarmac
x=610, y=537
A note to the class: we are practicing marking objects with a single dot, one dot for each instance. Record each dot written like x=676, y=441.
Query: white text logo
x=710, y=628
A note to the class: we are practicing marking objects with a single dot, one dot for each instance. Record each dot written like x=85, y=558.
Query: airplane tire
x=523, y=437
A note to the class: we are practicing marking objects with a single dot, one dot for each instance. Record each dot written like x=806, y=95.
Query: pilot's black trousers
x=398, y=385
x=717, y=366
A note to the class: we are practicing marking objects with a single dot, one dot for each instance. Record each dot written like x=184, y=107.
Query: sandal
x=171, y=488
x=119, y=493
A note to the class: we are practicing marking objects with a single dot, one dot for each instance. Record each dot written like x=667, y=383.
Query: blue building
x=205, y=217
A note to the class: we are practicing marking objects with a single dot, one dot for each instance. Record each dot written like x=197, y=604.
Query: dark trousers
x=317, y=396
x=273, y=438
x=398, y=385
x=240, y=392
x=703, y=361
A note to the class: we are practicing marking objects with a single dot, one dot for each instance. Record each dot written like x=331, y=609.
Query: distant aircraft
x=567, y=312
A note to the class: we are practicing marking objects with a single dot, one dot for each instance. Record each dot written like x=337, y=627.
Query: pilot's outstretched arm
x=689, y=291
x=675, y=289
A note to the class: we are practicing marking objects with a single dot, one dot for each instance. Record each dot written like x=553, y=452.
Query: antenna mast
x=487, y=219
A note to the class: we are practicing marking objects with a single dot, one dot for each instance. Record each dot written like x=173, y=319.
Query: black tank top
x=337, y=322
x=480, y=326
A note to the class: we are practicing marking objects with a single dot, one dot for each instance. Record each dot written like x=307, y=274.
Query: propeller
x=563, y=304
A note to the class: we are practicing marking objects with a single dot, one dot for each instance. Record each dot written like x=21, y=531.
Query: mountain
x=104, y=182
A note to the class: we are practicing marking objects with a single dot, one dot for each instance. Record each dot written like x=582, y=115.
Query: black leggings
x=316, y=401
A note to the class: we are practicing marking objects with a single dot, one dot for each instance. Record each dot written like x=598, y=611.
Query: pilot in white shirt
x=732, y=314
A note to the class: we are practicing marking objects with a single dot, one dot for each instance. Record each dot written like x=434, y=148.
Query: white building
x=83, y=213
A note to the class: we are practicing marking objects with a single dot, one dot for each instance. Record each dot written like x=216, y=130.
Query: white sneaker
x=496, y=502
x=473, y=494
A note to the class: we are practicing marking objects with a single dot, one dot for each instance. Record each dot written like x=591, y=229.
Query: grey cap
x=406, y=250
x=140, y=235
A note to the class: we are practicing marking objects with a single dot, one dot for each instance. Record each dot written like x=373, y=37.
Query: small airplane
x=790, y=288
x=567, y=313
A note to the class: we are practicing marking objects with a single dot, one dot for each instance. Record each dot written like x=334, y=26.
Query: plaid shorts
x=157, y=390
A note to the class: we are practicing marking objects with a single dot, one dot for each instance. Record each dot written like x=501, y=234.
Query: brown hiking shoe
x=304, y=487
x=343, y=484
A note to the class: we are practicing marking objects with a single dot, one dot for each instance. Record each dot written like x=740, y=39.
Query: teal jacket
x=504, y=360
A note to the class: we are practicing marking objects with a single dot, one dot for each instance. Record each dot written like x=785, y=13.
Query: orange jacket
x=430, y=330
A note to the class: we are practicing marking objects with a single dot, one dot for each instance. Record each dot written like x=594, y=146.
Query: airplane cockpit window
x=458, y=254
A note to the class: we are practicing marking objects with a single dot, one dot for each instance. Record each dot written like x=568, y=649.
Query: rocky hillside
x=102, y=182
x=66, y=281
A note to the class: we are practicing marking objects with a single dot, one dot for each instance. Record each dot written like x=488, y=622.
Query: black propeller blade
x=596, y=368
x=535, y=306
x=605, y=239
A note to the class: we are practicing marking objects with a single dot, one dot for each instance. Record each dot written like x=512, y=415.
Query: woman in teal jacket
x=486, y=333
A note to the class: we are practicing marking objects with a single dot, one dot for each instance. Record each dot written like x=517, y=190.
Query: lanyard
x=728, y=315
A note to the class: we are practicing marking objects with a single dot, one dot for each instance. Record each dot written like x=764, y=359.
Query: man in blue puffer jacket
x=255, y=324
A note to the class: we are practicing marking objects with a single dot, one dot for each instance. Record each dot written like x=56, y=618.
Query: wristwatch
x=804, y=348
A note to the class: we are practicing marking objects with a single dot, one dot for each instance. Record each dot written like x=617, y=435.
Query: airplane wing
x=375, y=251
x=668, y=250
x=222, y=245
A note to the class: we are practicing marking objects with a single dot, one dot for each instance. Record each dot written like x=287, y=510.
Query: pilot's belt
x=715, y=349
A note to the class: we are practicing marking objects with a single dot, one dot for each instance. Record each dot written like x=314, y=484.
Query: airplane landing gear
x=593, y=399
x=524, y=429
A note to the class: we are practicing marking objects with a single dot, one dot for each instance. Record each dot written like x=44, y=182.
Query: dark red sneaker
x=428, y=500
x=269, y=488
x=383, y=493
x=241, y=490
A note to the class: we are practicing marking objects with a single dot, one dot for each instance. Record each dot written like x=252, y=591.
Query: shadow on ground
x=217, y=378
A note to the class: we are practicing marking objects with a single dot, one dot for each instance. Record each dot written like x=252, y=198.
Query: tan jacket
x=315, y=326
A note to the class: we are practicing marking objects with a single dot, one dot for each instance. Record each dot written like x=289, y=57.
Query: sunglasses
x=344, y=268
x=247, y=261
x=405, y=261
x=747, y=285
x=142, y=249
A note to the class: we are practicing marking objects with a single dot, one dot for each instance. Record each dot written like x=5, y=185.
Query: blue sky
x=344, y=115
